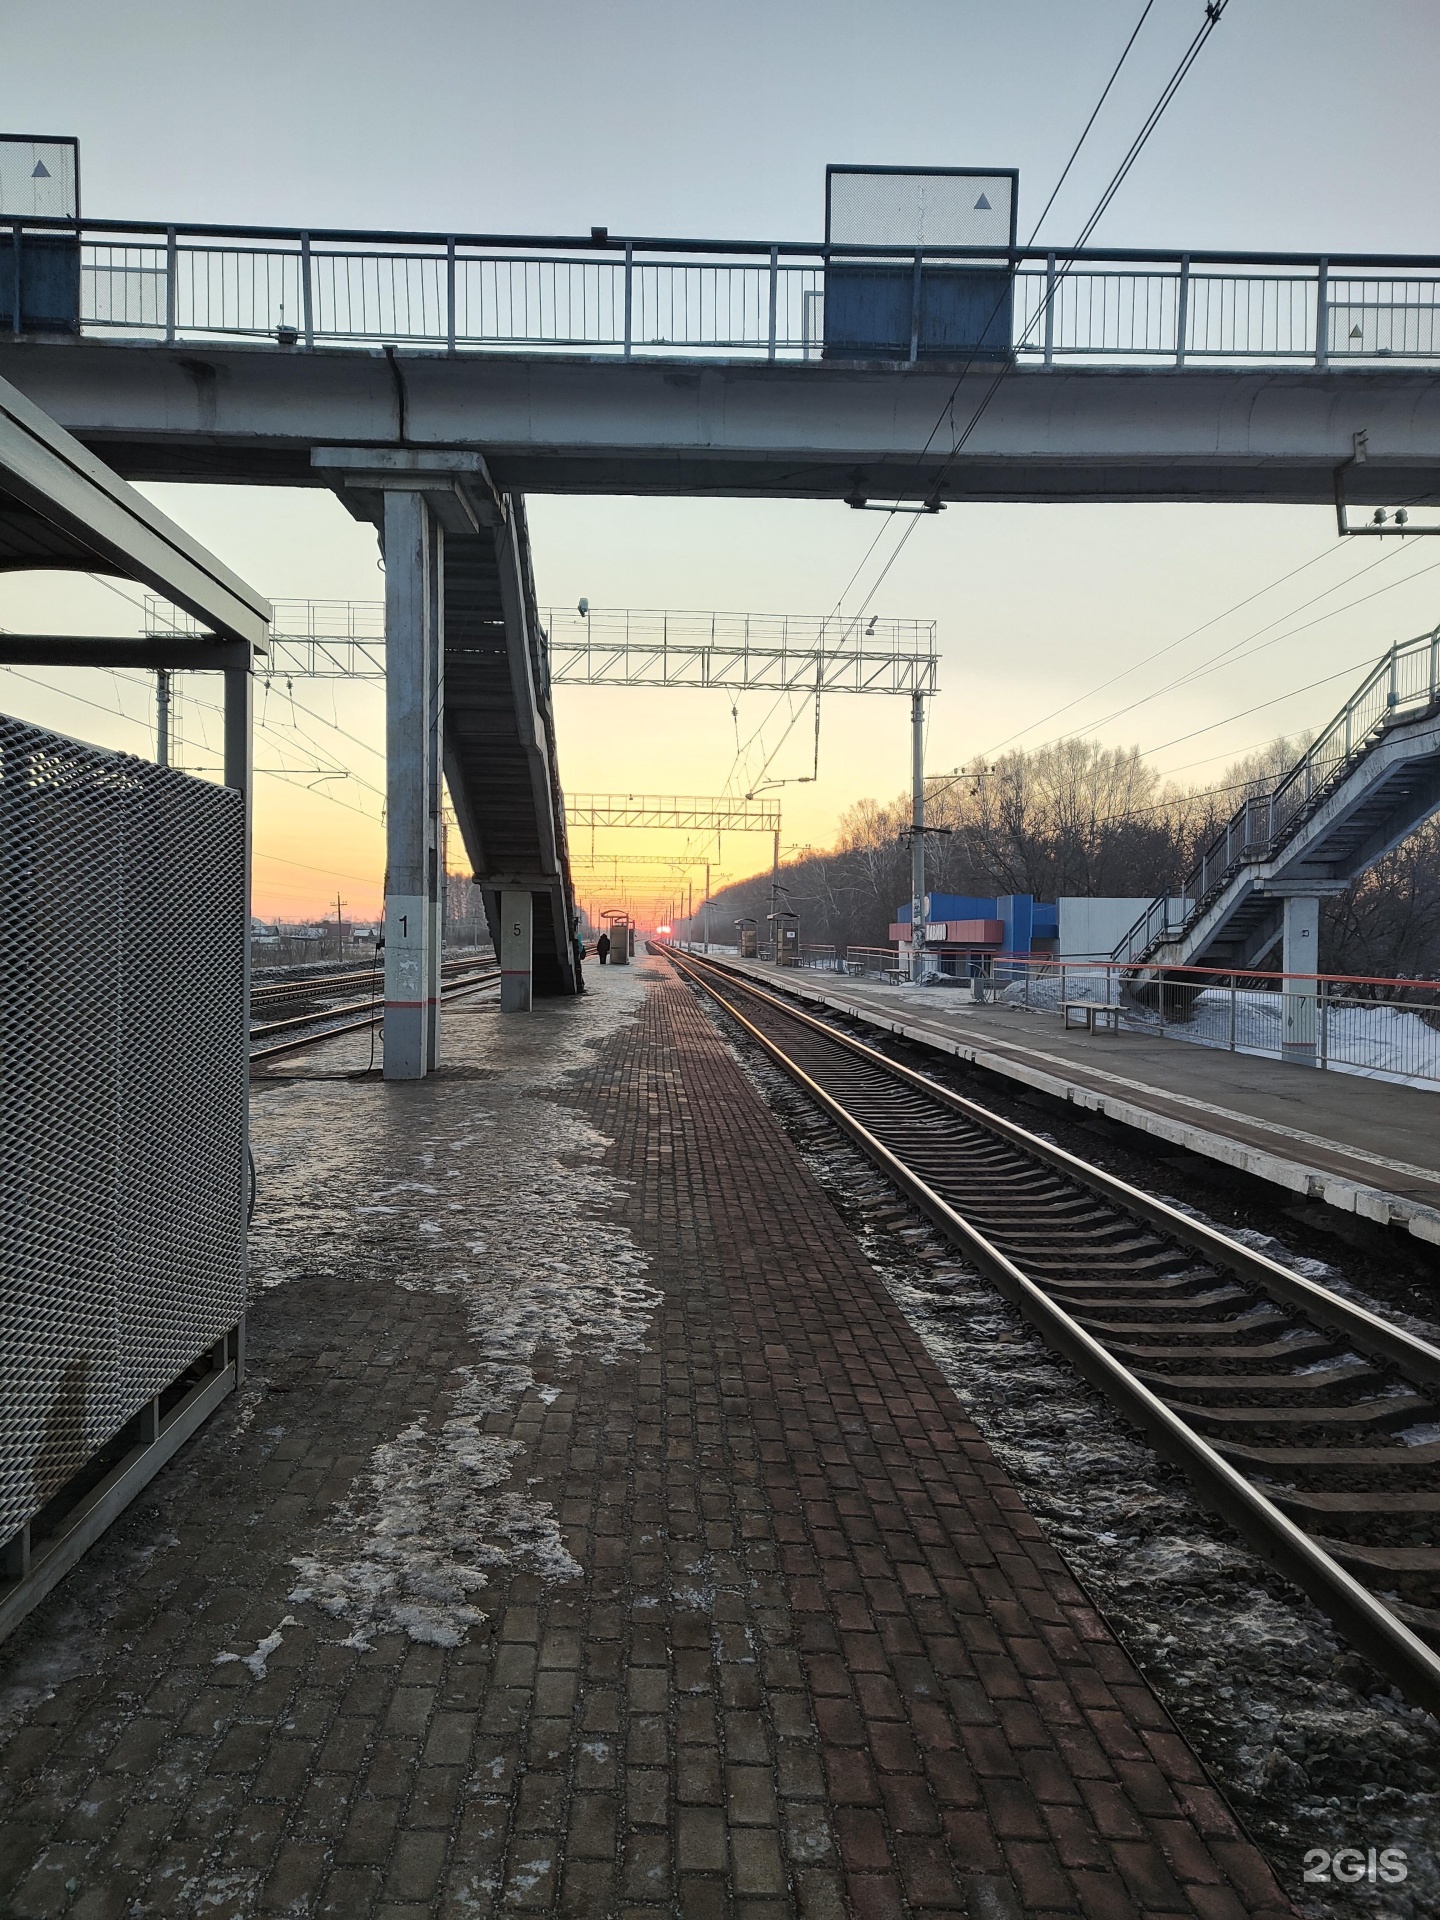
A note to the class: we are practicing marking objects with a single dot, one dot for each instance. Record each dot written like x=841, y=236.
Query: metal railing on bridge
x=1404, y=684
x=749, y=299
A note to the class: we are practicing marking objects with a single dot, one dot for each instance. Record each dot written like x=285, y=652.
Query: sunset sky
x=667, y=117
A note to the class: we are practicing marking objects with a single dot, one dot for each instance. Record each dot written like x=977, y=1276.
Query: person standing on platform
x=579, y=962
x=602, y=949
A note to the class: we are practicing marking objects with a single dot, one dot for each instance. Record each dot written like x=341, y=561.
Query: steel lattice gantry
x=687, y=812
x=619, y=647
x=742, y=653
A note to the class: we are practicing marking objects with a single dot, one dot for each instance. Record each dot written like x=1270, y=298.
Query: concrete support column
x=517, y=919
x=435, y=789
x=412, y=716
x=1301, y=956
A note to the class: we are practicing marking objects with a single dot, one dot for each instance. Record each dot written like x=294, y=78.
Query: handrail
x=635, y=297
x=601, y=240
x=303, y=289
x=1354, y=731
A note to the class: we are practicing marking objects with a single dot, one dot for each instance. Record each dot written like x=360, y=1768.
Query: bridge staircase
x=501, y=765
x=496, y=716
x=1369, y=779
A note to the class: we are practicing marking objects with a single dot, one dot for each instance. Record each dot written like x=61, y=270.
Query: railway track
x=270, y=1036
x=1298, y=1415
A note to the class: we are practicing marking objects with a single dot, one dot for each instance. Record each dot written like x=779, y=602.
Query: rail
x=1403, y=685
x=271, y=1036
x=617, y=296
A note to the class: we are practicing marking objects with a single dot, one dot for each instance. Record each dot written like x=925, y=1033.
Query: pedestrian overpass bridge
x=607, y=364
x=431, y=380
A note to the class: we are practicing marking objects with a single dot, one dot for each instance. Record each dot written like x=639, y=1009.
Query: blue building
x=964, y=932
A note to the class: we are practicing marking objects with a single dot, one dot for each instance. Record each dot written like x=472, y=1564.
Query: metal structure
x=642, y=295
x=122, y=1128
x=675, y=863
x=690, y=813
x=1370, y=778
x=309, y=639
x=124, y=983
x=742, y=652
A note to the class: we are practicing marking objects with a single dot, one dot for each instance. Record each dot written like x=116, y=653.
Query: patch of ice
x=234, y=1891
x=539, y=1262
x=258, y=1661
x=411, y=1545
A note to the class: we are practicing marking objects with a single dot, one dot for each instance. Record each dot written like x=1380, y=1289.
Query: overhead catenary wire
x=1227, y=656
x=934, y=495
x=965, y=369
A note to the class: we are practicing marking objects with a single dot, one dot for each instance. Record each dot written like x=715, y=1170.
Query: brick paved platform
x=766, y=1630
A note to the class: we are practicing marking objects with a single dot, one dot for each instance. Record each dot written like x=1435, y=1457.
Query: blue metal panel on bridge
x=873, y=311
x=47, y=283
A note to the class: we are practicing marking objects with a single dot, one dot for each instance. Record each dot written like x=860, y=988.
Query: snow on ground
x=1379, y=1041
x=483, y=1184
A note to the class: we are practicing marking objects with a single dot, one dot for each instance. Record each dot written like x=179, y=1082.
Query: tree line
x=1079, y=818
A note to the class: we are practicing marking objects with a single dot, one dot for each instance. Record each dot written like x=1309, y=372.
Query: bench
x=1095, y=1014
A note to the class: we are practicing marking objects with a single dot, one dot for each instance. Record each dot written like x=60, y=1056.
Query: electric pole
x=917, y=837
x=162, y=716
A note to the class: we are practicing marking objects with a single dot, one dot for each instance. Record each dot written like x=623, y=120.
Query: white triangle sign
x=982, y=205
x=42, y=172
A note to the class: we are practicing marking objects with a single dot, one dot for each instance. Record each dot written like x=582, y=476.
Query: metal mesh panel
x=123, y=1070
x=876, y=208
x=39, y=178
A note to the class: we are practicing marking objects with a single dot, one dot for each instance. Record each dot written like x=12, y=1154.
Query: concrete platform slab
x=1367, y=1147
x=593, y=1536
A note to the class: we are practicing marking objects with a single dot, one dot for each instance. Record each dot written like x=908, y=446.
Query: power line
x=1223, y=658
x=1324, y=554
x=884, y=526
x=1244, y=714
x=1213, y=11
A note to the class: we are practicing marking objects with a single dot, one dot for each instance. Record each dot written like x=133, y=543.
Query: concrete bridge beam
x=573, y=423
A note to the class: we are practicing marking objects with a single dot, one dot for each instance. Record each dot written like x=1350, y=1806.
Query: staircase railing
x=1403, y=683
